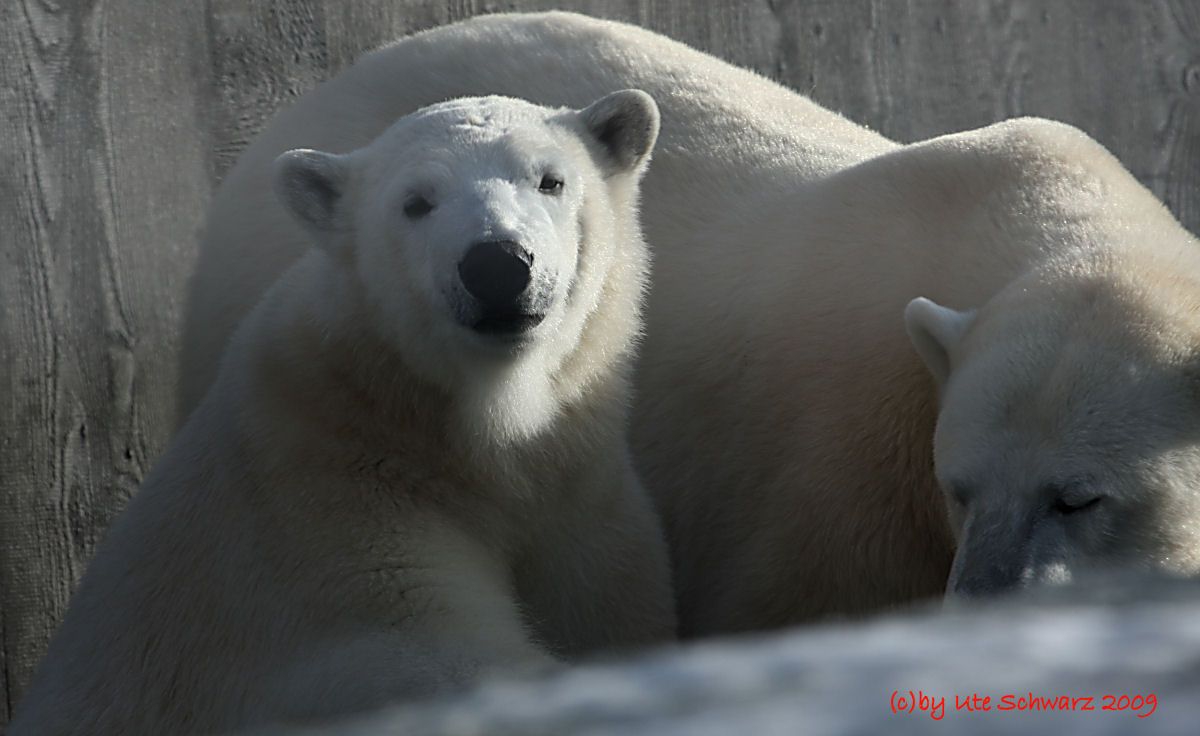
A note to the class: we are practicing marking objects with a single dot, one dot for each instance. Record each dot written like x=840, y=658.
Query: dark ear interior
x=625, y=124
x=311, y=184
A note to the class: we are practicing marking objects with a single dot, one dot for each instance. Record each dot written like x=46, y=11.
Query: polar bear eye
x=1072, y=498
x=550, y=184
x=1067, y=506
x=417, y=207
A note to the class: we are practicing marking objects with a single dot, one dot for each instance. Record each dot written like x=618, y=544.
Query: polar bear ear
x=935, y=332
x=310, y=184
x=626, y=125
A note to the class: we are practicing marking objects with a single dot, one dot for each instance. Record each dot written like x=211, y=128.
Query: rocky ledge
x=1116, y=659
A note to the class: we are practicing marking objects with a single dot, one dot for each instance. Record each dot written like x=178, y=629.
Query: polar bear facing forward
x=412, y=468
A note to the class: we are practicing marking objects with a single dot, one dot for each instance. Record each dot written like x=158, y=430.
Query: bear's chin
x=501, y=347
x=508, y=407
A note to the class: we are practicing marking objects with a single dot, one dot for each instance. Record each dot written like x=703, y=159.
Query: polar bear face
x=1067, y=441
x=482, y=231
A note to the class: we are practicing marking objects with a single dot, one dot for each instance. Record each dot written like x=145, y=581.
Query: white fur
x=1067, y=441
x=373, y=501
x=935, y=332
x=783, y=421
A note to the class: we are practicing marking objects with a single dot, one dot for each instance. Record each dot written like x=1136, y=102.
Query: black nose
x=496, y=272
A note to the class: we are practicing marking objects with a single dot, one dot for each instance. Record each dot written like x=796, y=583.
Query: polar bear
x=412, y=469
x=1067, y=443
x=783, y=420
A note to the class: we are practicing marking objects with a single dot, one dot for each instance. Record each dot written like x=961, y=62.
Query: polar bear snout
x=497, y=275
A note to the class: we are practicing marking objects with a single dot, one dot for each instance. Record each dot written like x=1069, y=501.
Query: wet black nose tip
x=495, y=272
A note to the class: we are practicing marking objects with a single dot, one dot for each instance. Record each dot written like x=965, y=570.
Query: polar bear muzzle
x=497, y=275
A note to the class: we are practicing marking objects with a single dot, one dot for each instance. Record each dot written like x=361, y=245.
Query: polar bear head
x=1068, y=439
x=486, y=234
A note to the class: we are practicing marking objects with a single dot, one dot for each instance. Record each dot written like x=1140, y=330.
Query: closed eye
x=417, y=207
x=550, y=184
x=1068, y=506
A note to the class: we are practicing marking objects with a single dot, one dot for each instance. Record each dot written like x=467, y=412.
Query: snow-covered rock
x=1096, y=646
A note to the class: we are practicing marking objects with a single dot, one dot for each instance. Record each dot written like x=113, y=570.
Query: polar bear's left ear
x=311, y=184
x=936, y=332
x=626, y=125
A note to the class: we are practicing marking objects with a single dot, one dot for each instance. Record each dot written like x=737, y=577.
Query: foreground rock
x=844, y=679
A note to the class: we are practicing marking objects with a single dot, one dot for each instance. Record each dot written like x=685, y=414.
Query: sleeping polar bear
x=412, y=468
x=783, y=421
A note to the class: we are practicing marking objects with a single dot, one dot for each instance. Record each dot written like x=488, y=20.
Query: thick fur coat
x=784, y=422
x=377, y=499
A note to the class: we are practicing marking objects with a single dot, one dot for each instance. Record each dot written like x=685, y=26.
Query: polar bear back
x=728, y=136
x=783, y=419
x=809, y=479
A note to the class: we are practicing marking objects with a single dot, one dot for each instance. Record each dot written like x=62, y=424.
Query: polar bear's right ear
x=626, y=125
x=310, y=184
x=935, y=332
